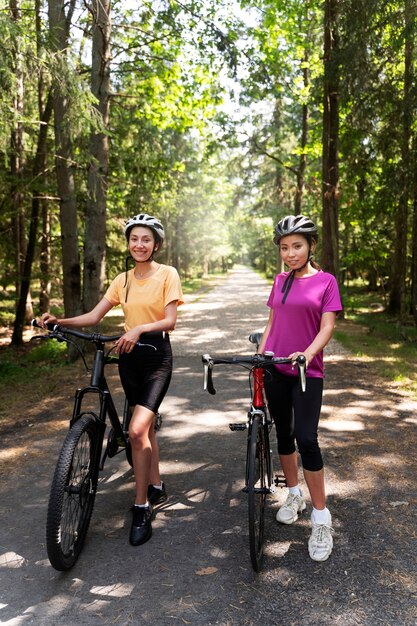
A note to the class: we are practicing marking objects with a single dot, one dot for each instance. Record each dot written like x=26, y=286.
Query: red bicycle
x=259, y=476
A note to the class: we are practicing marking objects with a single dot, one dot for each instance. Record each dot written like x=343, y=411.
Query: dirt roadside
x=196, y=568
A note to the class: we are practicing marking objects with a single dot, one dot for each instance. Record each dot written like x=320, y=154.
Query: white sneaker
x=288, y=512
x=320, y=544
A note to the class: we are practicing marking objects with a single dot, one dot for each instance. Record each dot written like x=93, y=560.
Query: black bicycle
x=259, y=476
x=82, y=457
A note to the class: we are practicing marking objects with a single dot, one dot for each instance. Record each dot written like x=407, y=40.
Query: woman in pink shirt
x=303, y=305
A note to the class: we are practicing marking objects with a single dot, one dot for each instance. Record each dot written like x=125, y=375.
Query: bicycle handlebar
x=93, y=337
x=256, y=360
x=58, y=332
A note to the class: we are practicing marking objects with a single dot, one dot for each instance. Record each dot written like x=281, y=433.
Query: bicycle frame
x=258, y=408
x=258, y=387
x=98, y=385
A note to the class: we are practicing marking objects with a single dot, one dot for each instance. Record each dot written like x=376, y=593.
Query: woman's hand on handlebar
x=294, y=356
x=128, y=341
x=47, y=318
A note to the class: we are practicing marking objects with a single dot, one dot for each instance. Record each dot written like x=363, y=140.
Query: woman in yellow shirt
x=149, y=295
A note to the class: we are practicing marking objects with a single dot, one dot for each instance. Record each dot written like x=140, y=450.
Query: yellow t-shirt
x=144, y=300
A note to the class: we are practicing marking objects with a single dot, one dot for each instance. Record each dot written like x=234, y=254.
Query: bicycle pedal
x=242, y=426
x=280, y=481
x=157, y=422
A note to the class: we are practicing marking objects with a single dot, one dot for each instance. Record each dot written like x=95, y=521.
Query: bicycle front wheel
x=258, y=489
x=72, y=494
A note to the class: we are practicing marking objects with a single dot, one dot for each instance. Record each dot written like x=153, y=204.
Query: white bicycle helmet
x=143, y=219
x=292, y=224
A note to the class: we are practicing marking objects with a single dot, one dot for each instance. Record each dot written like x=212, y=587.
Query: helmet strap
x=287, y=285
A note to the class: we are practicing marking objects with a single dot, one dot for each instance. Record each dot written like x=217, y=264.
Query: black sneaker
x=141, y=529
x=155, y=495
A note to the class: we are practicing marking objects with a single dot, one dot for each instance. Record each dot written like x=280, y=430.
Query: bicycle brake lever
x=208, y=377
x=145, y=345
x=301, y=363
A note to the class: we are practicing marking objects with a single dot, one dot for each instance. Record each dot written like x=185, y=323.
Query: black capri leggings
x=145, y=373
x=296, y=415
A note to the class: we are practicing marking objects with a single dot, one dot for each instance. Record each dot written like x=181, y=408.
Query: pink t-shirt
x=296, y=323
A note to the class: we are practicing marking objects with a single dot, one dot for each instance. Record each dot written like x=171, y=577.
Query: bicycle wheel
x=72, y=494
x=258, y=489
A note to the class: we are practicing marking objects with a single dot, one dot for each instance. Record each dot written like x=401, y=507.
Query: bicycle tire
x=257, y=491
x=72, y=494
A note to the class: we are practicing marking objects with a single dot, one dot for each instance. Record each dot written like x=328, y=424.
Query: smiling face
x=142, y=243
x=295, y=251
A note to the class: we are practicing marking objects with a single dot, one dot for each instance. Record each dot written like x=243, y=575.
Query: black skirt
x=145, y=373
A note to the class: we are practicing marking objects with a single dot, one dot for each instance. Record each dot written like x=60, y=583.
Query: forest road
x=196, y=568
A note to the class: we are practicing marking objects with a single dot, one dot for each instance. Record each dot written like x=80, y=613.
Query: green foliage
x=371, y=334
x=32, y=364
x=218, y=178
x=47, y=352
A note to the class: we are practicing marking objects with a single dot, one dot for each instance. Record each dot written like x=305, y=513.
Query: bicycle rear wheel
x=72, y=494
x=258, y=489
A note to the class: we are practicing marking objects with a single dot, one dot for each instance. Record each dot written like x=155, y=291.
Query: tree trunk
x=59, y=36
x=45, y=247
x=330, y=183
x=278, y=166
x=45, y=258
x=414, y=237
x=39, y=167
x=397, y=302
x=24, y=309
x=414, y=265
x=95, y=217
x=17, y=155
x=304, y=138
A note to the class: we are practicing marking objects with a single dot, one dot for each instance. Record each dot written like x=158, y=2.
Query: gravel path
x=196, y=568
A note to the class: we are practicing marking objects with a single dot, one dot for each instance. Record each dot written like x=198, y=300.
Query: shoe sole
x=142, y=541
x=321, y=560
x=160, y=500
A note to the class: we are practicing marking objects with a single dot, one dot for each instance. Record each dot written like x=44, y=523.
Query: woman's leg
x=307, y=416
x=289, y=465
x=315, y=484
x=141, y=440
x=154, y=475
x=279, y=394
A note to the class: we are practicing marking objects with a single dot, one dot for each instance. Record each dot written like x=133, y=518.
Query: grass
x=371, y=334
x=30, y=362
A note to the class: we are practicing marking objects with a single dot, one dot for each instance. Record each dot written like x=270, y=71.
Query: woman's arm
x=87, y=319
x=128, y=341
x=266, y=332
